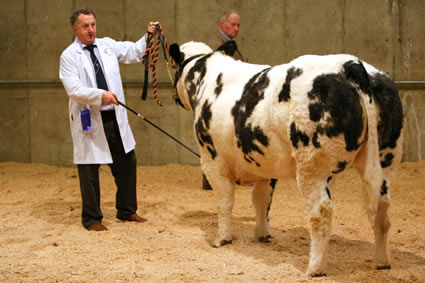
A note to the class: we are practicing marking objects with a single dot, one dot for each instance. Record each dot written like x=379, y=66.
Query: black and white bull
x=309, y=119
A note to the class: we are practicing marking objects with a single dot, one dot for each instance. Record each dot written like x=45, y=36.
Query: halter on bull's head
x=185, y=55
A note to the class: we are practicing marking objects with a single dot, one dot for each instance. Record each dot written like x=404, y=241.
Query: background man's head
x=229, y=23
x=83, y=22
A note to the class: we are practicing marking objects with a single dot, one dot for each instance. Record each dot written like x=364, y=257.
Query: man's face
x=231, y=26
x=85, y=29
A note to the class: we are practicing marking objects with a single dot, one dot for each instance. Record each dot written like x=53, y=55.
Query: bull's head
x=183, y=56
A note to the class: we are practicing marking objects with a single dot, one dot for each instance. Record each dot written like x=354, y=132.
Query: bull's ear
x=175, y=53
x=229, y=47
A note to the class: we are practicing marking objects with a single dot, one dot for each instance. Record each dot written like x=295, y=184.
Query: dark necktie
x=100, y=77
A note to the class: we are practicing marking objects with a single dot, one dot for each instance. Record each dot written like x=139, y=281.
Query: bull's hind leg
x=381, y=226
x=318, y=196
x=382, y=221
x=376, y=202
x=262, y=194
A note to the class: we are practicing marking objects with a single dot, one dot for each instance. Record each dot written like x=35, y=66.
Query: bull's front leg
x=224, y=188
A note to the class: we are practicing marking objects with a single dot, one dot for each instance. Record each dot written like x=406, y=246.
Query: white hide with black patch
x=309, y=119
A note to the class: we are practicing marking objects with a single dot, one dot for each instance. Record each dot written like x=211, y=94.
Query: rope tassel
x=150, y=49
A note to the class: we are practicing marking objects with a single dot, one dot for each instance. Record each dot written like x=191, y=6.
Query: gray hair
x=78, y=11
x=227, y=14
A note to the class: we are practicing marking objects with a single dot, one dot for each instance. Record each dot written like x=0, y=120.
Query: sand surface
x=42, y=239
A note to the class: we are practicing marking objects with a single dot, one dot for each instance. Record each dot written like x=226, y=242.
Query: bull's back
x=261, y=115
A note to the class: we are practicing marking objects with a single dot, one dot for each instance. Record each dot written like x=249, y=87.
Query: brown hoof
x=222, y=243
x=266, y=239
x=383, y=267
x=321, y=274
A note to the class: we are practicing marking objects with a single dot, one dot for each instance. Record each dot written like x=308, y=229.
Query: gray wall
x=34, y=123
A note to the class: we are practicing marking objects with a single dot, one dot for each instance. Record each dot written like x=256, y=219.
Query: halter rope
x=155, y=53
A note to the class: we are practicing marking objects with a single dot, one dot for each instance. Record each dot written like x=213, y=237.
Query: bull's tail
x=370, y=167
x=356, y=73
x=367, y=161
x=376, y=200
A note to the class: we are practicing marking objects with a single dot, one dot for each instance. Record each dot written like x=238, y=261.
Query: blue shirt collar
x=225, y=36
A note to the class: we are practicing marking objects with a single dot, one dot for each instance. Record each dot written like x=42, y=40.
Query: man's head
x=83, y=22
x=229, y=23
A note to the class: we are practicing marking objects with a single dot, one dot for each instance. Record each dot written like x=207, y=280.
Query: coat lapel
x=104, y=51
x=85, y=62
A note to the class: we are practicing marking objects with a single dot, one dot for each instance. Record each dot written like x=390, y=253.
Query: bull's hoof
x=317, y=274
x=265, y=239
x=383, y=267
x=221, y=243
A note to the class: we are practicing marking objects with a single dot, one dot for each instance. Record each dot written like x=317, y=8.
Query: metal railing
x=52, y=82
x=401, y=84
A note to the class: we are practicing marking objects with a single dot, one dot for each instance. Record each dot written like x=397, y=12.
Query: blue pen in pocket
x=86, y=121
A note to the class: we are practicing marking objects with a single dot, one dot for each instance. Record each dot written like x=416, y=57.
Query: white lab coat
x=78, y=78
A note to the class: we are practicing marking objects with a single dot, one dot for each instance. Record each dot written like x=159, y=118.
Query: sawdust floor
x=42, y=240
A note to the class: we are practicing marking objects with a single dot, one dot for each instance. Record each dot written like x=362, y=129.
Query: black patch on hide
x=388, y=160
x=285, y=93
x=194, y=86
x=229, y=47
x=340, y=167
x=175, y=53
x=272, y=185
x=329, y=193
x=298, y=136
x=384, y=188
x=202, y=127
x=335, y=100
x=356, y=72
x=315, y=139
x=390, y=110
x=247, y=136
x=219, y=86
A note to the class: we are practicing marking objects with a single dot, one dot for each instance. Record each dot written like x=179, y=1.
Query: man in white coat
x=89, y=71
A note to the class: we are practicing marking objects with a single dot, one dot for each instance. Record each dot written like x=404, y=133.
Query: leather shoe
x=135, y=218
x=97, y=227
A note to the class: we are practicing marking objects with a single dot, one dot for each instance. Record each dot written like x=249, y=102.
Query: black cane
x=152, y=124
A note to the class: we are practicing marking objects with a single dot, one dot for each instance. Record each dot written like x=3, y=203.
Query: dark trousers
x=124, y=170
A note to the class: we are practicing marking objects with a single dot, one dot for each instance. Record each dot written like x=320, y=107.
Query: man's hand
x=109, y=98
x=152, y=28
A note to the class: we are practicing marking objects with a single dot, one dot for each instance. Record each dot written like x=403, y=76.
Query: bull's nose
x=177, y=100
